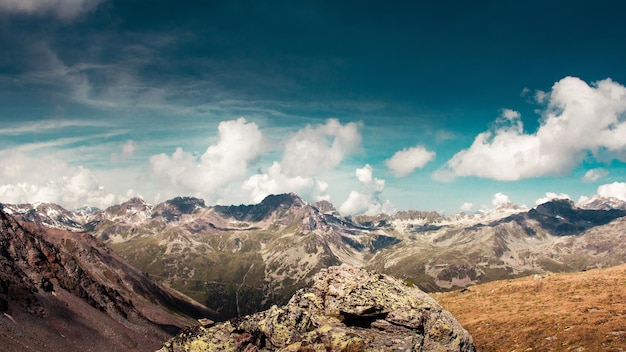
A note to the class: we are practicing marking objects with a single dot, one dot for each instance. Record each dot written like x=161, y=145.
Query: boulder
x=346, y=309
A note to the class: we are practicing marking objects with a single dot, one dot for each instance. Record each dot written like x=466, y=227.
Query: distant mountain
x=602, y=203
x=46, y=214
x=63, y=290
x=236, y=259
x=552, y=237
x=244, y=258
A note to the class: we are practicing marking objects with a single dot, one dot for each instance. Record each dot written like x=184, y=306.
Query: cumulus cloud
x=308, y=152
x=594, y=175
x=320, y=148
x=25, y=179
x=467, y=206
x=615, y=189
x=239, y=144
x=275, y=181
x=551, y=196
x=500, y=199
x=579, y=120
x=368, y=201
x=128, y=149
x=403, y=162
x=61, y=9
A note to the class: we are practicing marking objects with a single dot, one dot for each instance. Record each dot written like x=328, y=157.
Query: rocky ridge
x=346, y=309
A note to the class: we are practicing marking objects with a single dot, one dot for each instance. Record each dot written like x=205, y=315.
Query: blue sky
x=443, y=106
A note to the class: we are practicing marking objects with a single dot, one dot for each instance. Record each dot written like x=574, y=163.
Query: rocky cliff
x=346, y=309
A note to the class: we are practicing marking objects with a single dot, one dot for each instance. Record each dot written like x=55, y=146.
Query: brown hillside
x=583, y=311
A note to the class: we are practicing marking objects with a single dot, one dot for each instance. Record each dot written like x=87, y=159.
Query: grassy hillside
x=583, y=311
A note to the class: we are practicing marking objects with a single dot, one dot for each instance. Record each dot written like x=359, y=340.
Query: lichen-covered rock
x=346, y=309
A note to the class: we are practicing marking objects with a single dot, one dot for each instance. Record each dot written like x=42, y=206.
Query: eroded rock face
x=346, y=309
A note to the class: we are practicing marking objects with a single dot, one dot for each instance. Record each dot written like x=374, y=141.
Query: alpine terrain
x=242, y=259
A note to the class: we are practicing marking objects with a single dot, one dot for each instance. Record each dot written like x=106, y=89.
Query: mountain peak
x=326, y=207
x=186, y=205
x=284, y=199
x=556, y=207
x=263, y=210
x=174, y=208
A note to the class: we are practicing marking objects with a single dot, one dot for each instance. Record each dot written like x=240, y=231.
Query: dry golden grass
x=583, y=311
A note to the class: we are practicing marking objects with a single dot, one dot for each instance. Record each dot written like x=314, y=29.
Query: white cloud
x=551, y=196
x=367, y=202
x=615, y=189
x=239, y=144
x=316, y=149
x=128, y=149
x=541, y=96
x=356, y=203
x=579, y=120
x=307, y=153
x=500, y=199
x=511, y=115
x=61, y=9
x=403, y=162
x=467, y=206
x=25, y=179
x=444, y=135
x=594, y=175
x=19, y=127
x=275, y=182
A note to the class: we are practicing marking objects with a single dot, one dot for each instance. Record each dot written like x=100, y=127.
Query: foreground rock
x=346, y=309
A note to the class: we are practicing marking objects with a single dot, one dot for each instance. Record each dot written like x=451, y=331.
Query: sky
x=375, y=106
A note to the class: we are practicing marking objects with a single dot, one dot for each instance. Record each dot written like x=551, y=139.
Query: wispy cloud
x=128, y=149
x=48, y=125
x=66, y=10
x=594, y=175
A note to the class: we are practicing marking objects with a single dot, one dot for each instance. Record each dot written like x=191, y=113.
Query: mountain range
x=242, y=259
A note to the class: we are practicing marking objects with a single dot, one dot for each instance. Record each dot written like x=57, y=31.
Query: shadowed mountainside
x=68, y=291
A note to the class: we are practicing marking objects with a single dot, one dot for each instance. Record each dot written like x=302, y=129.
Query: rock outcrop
x=346, y=309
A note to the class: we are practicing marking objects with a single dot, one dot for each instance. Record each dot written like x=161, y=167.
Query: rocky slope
x=242, y=259
x=346, y=309
x=68, y=291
